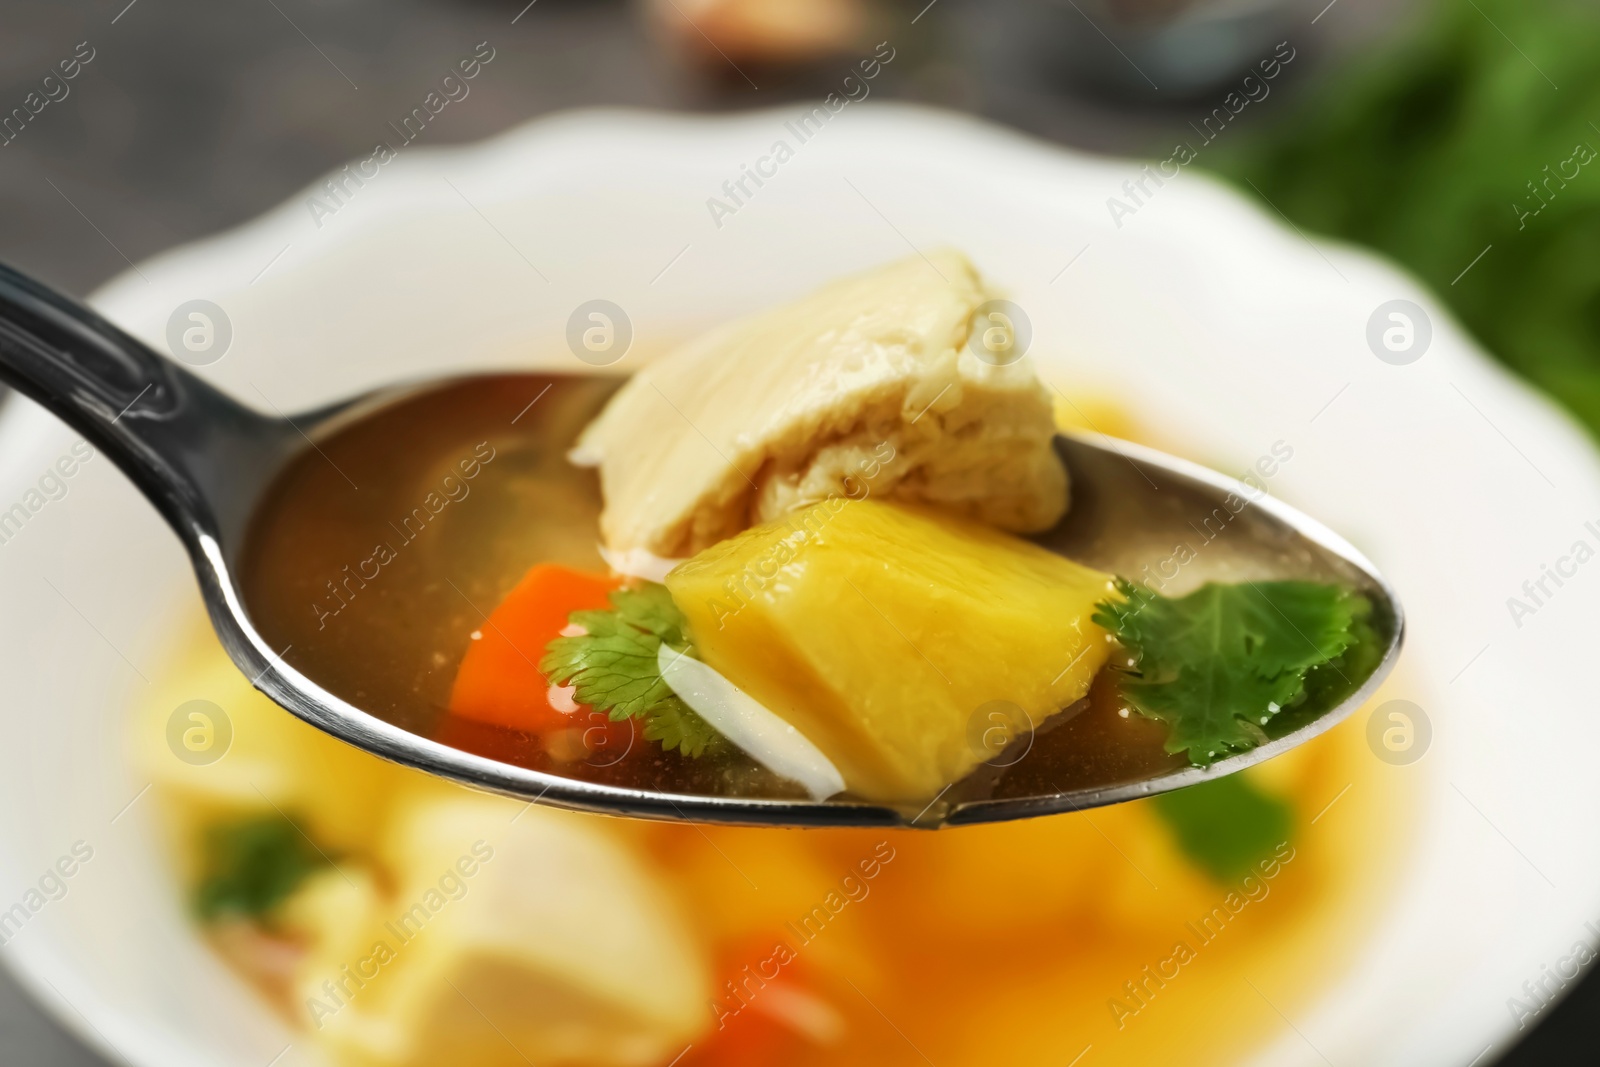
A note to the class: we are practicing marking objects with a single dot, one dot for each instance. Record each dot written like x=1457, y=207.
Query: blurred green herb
x=1226, y=825
x=1454, y=139
x=251, y=865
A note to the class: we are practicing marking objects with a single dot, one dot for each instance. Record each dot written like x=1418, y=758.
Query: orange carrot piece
x=499, y=681
x=751, y=1028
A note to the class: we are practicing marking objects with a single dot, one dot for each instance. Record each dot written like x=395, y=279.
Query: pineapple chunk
x=887, y=633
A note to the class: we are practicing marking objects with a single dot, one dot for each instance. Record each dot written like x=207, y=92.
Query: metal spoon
x=205, y=460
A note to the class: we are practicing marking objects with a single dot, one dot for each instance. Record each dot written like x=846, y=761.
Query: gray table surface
x=198, y=114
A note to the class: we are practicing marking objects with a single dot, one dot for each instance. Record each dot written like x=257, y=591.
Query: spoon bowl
x=206, y=461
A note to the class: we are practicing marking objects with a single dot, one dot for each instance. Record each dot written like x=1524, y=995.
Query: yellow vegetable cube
x=894, y=637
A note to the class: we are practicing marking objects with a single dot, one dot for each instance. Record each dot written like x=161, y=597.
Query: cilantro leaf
x=1218, y=665
x=251, y=865
x=613, y=667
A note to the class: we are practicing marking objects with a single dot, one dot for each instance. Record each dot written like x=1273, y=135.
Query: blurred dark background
x=1420, y=127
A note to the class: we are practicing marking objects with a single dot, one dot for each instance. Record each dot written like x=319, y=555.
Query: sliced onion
x=637, y=563
x=580, y=456
x=768, y=740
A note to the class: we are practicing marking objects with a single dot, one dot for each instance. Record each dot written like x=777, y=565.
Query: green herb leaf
x=251, y=865
x=1219, y=664
x=1226, y=825
x=613, y=667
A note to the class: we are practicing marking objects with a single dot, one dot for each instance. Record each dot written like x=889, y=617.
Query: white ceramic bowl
x=1226, y=328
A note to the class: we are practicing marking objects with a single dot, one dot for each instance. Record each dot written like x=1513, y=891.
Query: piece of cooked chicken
x=865, y=387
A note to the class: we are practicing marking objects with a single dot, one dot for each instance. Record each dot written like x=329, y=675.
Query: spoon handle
x=198, y=455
